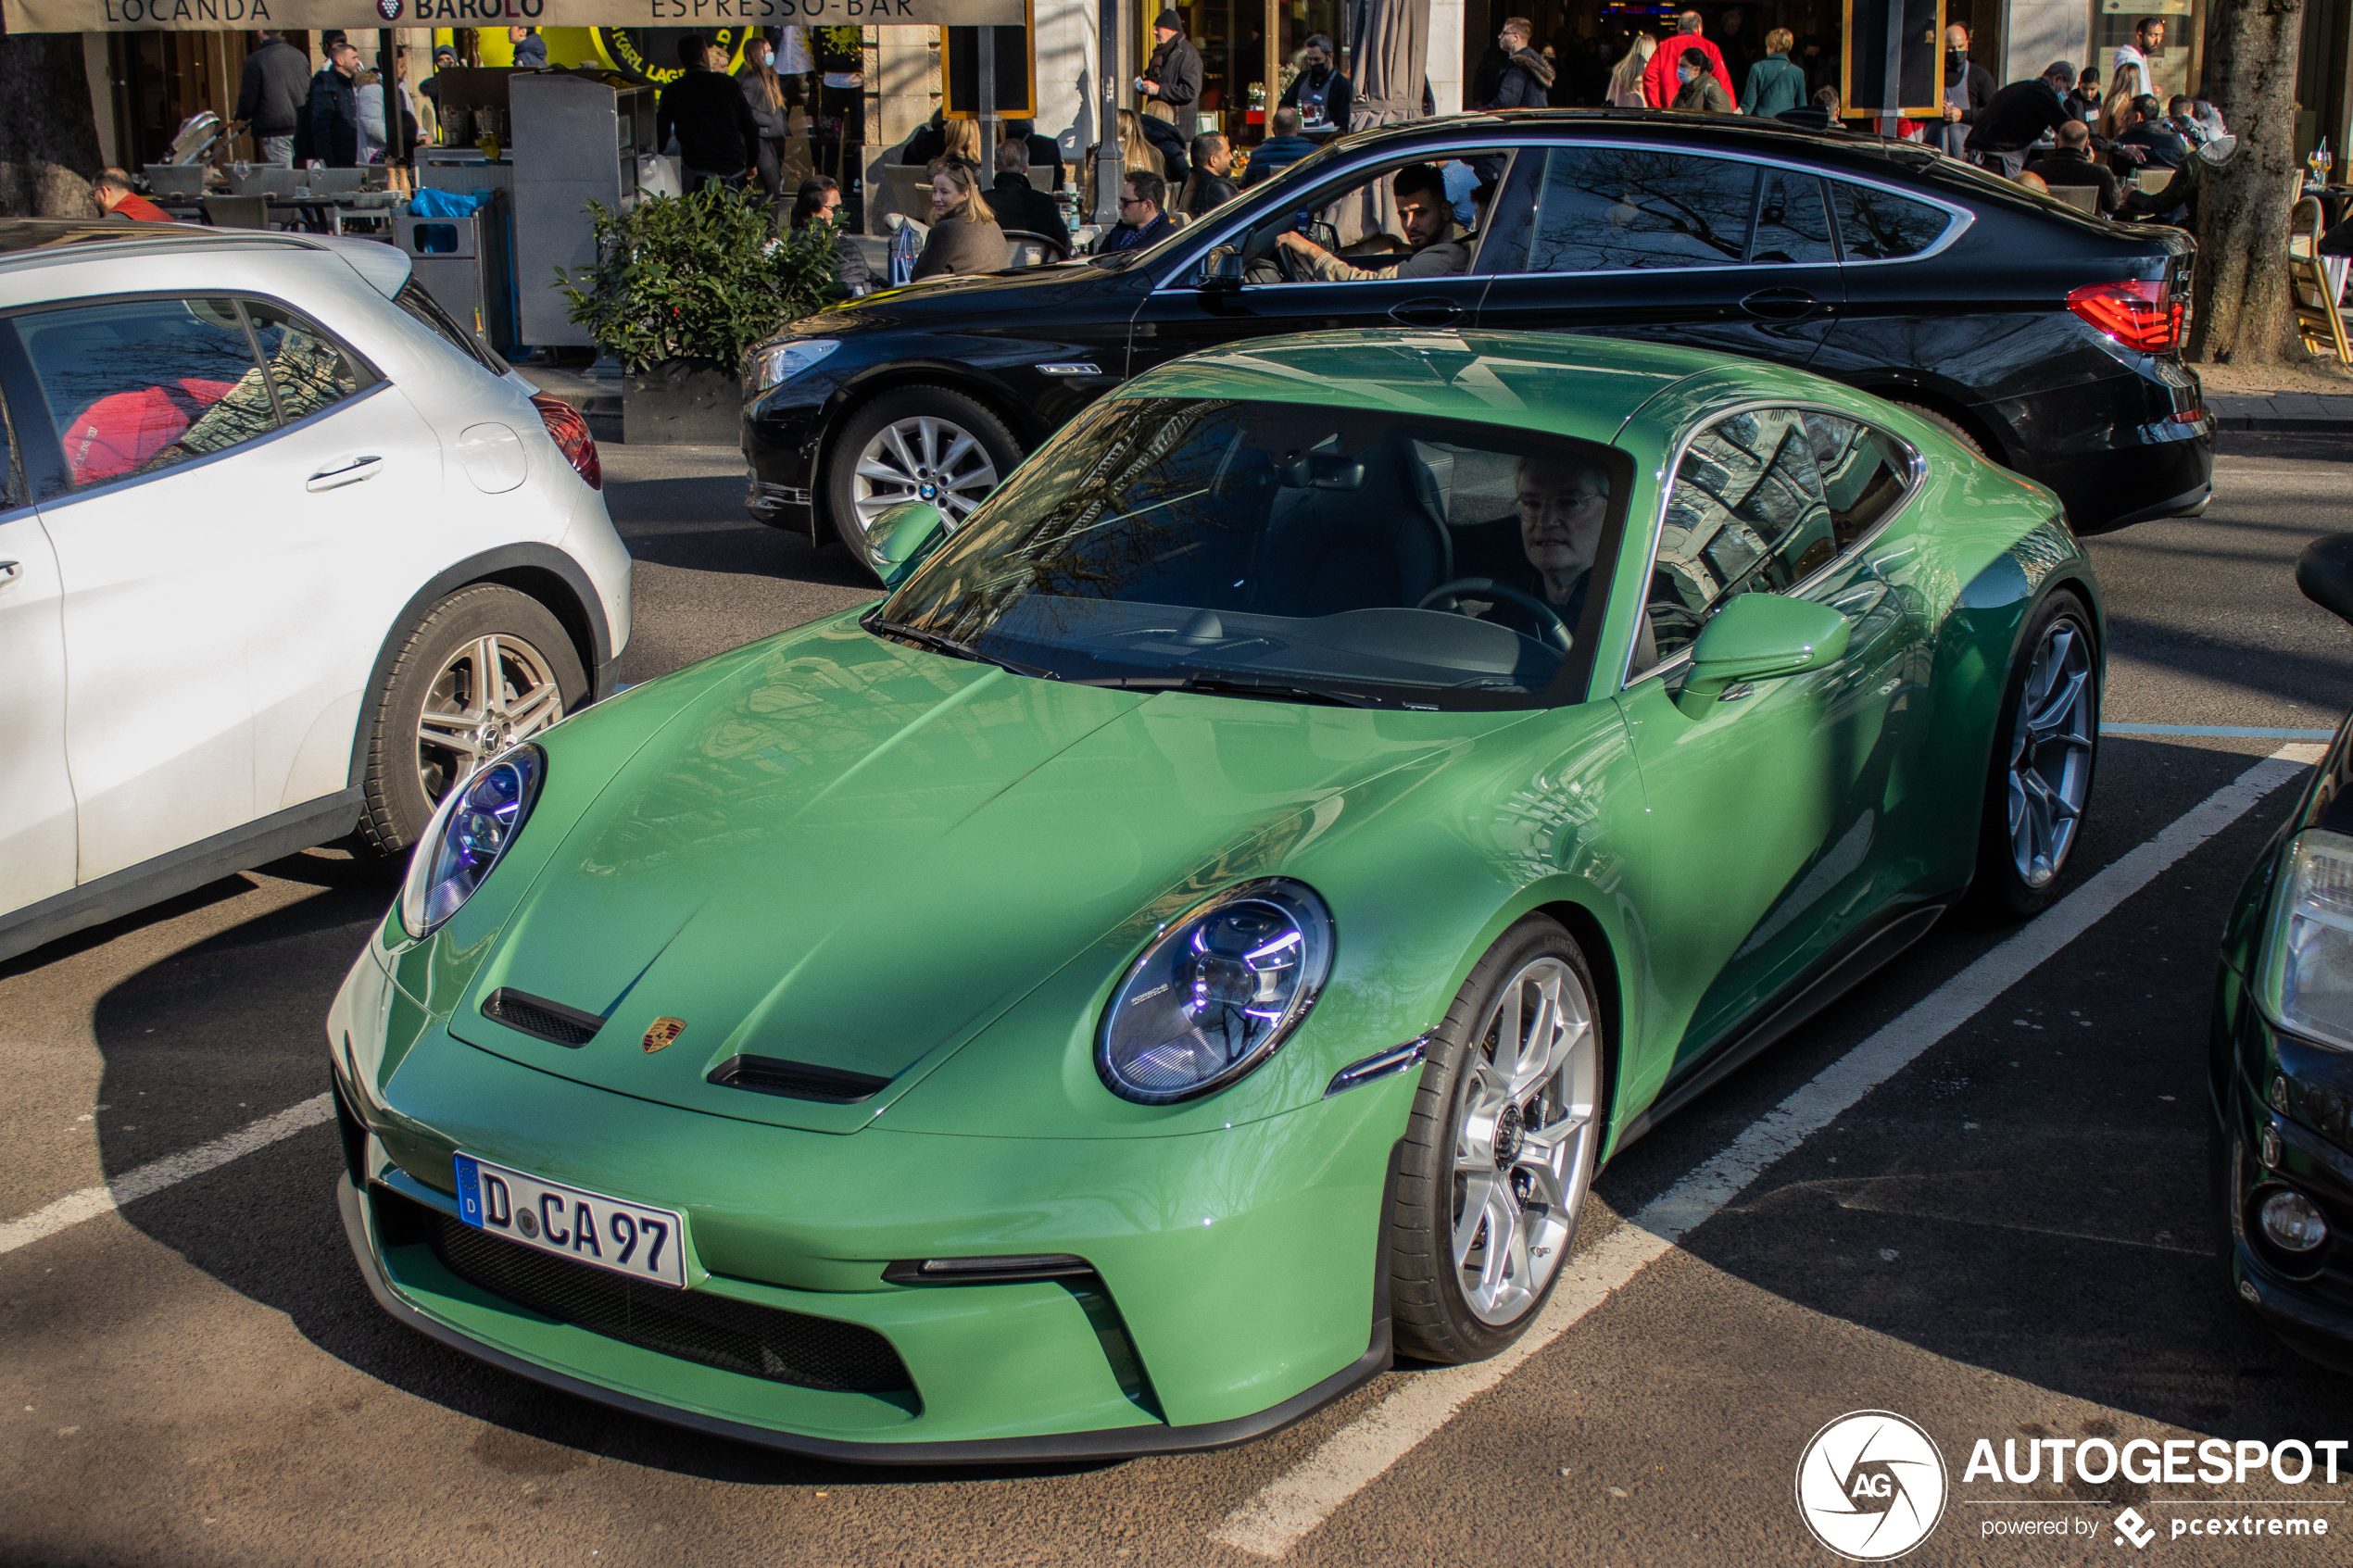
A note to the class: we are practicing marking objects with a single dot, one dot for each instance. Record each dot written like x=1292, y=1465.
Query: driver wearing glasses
x=1438, y=246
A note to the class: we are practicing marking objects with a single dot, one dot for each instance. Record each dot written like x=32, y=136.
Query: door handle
x=1432, y=312
x=9, y=571
x=351, y=473
x=1780, y=305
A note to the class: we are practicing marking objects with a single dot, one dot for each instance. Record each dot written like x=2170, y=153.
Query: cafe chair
x=2084, y=198
x=237, y=212
x=1026, y=248
x=2316, y=281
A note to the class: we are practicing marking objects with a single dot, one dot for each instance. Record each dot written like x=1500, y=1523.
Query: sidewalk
x=2302, y=412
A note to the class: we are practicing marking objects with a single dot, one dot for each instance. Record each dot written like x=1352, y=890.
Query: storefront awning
x=213, y=16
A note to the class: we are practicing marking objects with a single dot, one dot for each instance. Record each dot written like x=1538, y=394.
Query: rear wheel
x=487, y=667
x=1949, y=426
x=2044, y=744
x=915, y=444
x=1499, y=1150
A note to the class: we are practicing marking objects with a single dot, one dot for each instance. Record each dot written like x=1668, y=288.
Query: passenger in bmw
x=1438, y=246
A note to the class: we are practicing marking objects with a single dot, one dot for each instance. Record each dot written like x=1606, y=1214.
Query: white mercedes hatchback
x=284, y=553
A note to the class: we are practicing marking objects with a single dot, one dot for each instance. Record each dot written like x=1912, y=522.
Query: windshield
x=1285, y=550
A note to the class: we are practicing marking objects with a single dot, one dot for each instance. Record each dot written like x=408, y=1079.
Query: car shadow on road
x=230, y=1030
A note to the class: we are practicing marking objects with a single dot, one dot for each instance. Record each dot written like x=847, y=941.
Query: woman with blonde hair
x=764, y=93
x=1135, y=151
x=965, y=234
x=963, y=140
x=2121, y=93
x=1626, y=81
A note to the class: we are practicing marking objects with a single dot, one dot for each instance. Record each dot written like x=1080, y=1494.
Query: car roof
x=33, y=245
x=1560, y=383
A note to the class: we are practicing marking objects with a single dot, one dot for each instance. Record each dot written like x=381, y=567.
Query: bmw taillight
x=2140, y=315
x=571, y=434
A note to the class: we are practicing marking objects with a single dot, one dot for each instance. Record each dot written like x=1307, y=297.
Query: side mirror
x=1759, y=636
x=901, y=537
x=2324, y=572
x=1222, y=268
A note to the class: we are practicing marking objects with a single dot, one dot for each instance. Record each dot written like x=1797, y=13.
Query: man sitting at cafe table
x=2071, y=163
x=1436, y=244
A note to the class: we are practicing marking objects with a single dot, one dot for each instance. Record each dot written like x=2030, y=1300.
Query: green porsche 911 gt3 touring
x=1198, y=934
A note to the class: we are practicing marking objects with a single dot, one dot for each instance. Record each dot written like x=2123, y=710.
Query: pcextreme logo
x=1871, y=1485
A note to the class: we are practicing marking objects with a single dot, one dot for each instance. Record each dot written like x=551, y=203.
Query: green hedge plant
x=703, y=276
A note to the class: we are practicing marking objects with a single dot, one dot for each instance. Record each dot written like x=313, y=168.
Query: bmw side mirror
x=1222, y=268
x=901, y=537
x=2324, y=572
x=1759, y=636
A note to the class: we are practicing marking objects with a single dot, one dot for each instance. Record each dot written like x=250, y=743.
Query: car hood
x=851, y=854
x=964, y=300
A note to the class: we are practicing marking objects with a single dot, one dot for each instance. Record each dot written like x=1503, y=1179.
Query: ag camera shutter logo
x=1871, y=1485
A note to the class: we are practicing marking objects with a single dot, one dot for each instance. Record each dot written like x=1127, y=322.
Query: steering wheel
x=1286, y=262
x=1552, y=629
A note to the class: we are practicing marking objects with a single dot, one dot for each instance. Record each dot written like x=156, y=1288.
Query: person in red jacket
x=1659, y=83
x=117, y=199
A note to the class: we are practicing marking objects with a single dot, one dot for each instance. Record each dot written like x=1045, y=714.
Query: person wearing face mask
x=1321, y=92
x=1969, y=87
x=2018, y=116
x=1700, y=91
x=764, y=94
x=1661, y=82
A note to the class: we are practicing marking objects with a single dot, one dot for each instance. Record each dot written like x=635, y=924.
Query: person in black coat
x=819, y=201
x=272, y=96
x=1321, y=93
x=334, y=109
x=718, y=139
x=1527, y=82
x=2018, y=116
x=1171, y=83
x=1020, y=205
x=2071, y=163
x=2160, y=147
x=1044, y=151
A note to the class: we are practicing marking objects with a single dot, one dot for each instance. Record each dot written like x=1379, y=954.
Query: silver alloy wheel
x=490, y=694
x=2051, y=753
x=923, y=458
x=1523, y=1121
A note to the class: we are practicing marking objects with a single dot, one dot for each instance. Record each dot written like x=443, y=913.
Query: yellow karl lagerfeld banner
x=199, y=15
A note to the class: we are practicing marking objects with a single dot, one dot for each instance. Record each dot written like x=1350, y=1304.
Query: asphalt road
x=2006, y=1238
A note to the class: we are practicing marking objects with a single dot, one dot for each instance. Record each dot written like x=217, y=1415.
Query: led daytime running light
x=468, y=834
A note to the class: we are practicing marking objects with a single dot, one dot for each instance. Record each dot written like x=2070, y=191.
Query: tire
x=1455, y=1135
x=2028, y=830
x=1949, y=426
x=541, y=681
x=947, y=444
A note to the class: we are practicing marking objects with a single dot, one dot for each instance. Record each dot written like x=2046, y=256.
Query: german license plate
x=587, y=1227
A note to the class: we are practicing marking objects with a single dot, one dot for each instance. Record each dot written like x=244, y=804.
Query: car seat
x=1367, y=532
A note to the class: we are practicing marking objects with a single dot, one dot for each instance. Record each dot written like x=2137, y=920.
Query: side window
x=1876, y=225
x=1791, y=223
x=427, y=310
x=1610, y=209
x=1746, y=514
x=139, y=386
x=1864, y=474
x=309, y=370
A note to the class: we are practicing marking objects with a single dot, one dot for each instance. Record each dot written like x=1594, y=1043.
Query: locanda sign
x=197, y=16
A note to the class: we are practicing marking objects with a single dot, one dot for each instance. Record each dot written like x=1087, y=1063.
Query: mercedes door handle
x=9, y=572
x=351, y=473
x=1780, y=305
x=1425, y=313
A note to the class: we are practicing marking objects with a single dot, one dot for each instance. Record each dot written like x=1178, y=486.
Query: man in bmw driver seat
x=1439, y=247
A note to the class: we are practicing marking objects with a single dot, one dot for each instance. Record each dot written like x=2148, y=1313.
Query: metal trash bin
x=463, y=263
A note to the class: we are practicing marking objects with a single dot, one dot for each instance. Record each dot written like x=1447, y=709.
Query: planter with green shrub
x=682, y=288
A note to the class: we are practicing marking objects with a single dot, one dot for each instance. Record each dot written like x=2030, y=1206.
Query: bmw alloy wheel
x=493, y=692
x=1525, y=1113
x=2051, y=753
x=922, y=459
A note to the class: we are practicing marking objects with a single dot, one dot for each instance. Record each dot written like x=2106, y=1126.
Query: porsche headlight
x=2307, y=968
x=1215, y=993
x=779, y=362
x=467, y=835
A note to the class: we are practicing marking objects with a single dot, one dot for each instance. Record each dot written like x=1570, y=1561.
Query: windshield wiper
x=1223, y=685
x=955, y=649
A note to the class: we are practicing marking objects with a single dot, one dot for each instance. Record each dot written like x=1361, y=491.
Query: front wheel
x=1499, y=1150
x=2045, y=743
x=486, y=667
x=915, y=444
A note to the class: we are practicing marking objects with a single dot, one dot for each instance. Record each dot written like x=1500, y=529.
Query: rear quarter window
x=1878, y=225
x=428, y=310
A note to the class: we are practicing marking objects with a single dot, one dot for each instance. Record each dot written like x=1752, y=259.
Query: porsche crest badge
x=665, y=1031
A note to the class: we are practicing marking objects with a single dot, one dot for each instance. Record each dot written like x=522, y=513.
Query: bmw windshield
x=1289, y=551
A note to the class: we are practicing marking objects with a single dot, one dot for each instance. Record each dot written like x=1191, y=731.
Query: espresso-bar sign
x=200, y=15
